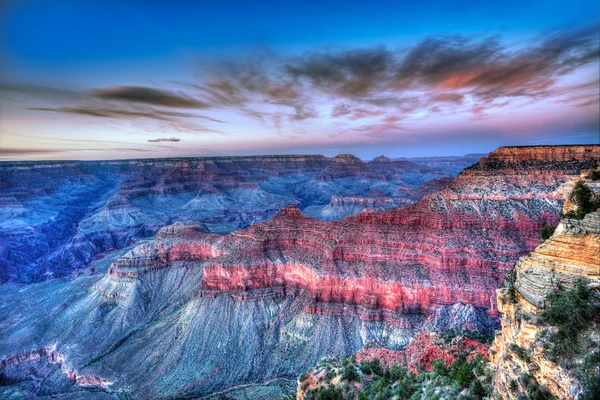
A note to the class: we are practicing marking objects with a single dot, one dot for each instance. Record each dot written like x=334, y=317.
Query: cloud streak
x=172, y=139
x=452, y=73
x=148, y=95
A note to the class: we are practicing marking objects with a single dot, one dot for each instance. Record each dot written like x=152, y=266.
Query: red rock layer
x=426, y=348
x=371, y=293
x=452, y=246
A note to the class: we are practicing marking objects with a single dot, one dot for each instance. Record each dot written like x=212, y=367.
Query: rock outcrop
x=519, y=354
x=453, y=246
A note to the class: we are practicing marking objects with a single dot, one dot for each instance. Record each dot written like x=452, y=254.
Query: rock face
x=454, y=246
x=24, y=374
x=573, y=252
x=57, y=216
x=375, y=200
x=193, y=312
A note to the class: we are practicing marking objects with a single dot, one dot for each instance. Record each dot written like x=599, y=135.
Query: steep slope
x=520, y=351
x=344, y=206
x=451, y=247
x=192, y=313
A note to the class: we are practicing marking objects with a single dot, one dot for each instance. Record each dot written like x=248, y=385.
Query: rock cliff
x=520, y=352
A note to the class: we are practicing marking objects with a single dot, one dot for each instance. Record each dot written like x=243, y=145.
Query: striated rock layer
x=453, y=246
x=573, y=252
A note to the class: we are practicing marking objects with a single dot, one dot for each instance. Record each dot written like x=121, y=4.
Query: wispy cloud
x=172, y=139
x=436, y=74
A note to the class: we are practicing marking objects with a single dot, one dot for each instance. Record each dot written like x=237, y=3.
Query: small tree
x=570, y=312
x=546, y=232
x=350, y=374
x=329, y=393
x=365, y=367
x=581, y=196
x=594, y=175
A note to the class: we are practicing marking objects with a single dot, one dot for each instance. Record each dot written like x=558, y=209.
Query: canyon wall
x=452, y=246
x=520, y=352
x=55, y=217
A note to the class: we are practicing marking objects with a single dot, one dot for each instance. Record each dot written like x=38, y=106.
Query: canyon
x=55, y=217
x=243, y=302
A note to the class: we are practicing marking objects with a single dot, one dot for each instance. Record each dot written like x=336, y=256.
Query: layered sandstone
x=572, y=253
x=193, y=313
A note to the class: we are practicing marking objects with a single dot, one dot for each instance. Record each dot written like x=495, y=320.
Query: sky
x=141, y=79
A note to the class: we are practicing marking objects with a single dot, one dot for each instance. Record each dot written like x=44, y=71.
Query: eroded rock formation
x=519, y=351
x=57, y=216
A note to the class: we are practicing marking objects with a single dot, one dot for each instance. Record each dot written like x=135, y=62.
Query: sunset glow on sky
x=132, y=79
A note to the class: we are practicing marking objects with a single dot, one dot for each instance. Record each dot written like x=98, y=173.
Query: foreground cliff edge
x=192, y=313
x=525, y=350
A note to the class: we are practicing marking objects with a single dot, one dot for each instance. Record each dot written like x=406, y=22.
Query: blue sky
x=128, y=79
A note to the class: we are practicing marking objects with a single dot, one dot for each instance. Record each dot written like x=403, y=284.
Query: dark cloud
x=386, y=126
x=354, y=113
x=447, y=97
x=349, y=73
x=438, y=75
x=170, y=119
x=102, y=112
x=147, y=95
x=4, y=151
x=8, y=89
x=172, y=139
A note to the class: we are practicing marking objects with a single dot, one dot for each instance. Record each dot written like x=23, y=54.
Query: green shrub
x=461, y=371
x=520, y=352
x=376, y=367
x=582, y=197
x=594, y=175
x=537, y=392
x=350, y=374
x=571, y=312
x=365, y=367
x=439, y=368
x=329, y=393
x=546, y=232
x=477, y=389
x=397, y=373
x=589, y=375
